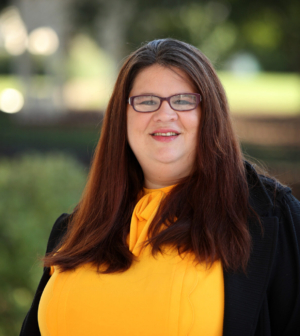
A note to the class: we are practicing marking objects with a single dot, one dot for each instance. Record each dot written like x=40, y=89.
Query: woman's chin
x=171, y=160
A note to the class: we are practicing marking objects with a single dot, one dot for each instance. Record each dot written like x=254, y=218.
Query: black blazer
x=264, y=302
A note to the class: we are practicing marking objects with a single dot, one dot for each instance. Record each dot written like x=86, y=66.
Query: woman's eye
x=183, y=102
x=148, y=102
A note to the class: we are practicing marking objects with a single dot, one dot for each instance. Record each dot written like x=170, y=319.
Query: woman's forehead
x=156, y=77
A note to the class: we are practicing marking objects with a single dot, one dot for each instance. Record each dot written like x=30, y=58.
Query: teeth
x=166, y=134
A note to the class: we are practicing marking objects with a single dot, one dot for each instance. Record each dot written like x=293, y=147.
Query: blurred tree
x=271, y=30
x=34, y=190
x=267, y=29
x=107, y=21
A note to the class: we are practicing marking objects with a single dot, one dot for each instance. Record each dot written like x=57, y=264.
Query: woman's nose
x=165, y=113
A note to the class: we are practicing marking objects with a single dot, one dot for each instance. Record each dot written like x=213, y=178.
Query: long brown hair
x=210, y=206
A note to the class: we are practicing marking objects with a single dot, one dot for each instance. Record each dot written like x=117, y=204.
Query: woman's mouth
x=165, y=136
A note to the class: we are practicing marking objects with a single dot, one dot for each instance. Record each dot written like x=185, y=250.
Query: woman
x=175, y=233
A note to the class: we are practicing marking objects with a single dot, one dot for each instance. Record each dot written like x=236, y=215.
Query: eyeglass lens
x=150, y=103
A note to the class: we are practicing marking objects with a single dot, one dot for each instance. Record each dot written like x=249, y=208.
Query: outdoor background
x=58, y=62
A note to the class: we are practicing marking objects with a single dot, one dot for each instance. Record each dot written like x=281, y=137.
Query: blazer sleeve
x=30, y=325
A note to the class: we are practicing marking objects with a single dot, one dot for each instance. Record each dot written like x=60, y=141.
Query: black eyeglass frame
x=198, y=100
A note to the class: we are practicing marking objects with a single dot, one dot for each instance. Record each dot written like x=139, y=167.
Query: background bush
x=34, y=190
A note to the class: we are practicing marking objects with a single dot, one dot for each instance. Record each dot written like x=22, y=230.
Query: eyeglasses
x=180, y=102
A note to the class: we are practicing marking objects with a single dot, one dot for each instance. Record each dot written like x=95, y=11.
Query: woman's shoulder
x=264, y=189
x=58, y=231
x=285, y=204
x=274, y=187
x=269, y=198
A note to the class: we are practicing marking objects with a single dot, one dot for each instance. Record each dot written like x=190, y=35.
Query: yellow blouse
x=161, y=296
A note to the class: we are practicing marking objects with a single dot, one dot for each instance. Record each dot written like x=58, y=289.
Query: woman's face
x=163, y=153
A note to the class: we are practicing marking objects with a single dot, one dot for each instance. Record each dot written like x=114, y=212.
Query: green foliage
x=267, y=29
x=34, y=191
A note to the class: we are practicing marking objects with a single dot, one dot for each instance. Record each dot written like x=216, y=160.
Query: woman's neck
x=163, y=175
x=158, y=182
x=157, y=185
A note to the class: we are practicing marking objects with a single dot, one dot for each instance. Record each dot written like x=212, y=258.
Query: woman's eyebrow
x=146, y=94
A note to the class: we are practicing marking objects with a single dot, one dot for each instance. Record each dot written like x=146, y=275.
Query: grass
x=271, y=94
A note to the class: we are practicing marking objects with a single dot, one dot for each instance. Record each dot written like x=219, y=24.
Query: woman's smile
x=165, y=135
